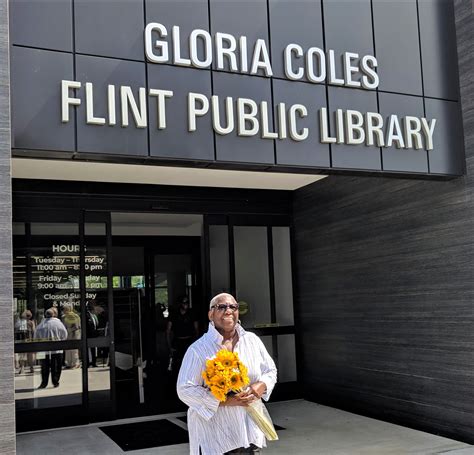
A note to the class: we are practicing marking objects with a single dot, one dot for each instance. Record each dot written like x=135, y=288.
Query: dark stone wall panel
x=107, y=138
x=240, y=18
x=446, y=157
x=172, y=12
x=309, y=152
x=356, y=36
x=176, y=141
x=110, y=28
x=385, y=289
x=353, y=156
x=42, y=23
x=438, y=49
x=232, y=147
x=36, y=99
x=397, y=47
x=395, y=159
x=297, y=22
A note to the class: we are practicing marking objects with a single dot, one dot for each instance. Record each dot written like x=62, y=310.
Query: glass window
x=252, y=274
x=46, y=277
x=18, y=228
x=97, y=302
x=49, y=229
x=283, y=278
x=99, y=375
x=219, y=259
x=173, y=279
x=42, y=380
x=286, y=358
x=24, y=324
x=267, y=341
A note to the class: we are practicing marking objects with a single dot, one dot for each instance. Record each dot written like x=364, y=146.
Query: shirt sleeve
x=268, y=370
x=63, y=332
x=190, y=386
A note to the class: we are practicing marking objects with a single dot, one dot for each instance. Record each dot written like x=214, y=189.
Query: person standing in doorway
x=51, y=329
x=181, y=330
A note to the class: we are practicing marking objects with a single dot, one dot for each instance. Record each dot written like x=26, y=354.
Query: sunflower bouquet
x=225, y=374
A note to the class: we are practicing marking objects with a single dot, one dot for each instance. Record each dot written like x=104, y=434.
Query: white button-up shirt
x=213, y=428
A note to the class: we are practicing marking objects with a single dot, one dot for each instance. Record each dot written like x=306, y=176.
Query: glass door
x=98, y=350
x=151, y=282
x=63, y=334
x=250, y=257
x=175, y=310
x=47, y=322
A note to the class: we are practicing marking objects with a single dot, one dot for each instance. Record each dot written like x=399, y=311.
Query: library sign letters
x=245, y=116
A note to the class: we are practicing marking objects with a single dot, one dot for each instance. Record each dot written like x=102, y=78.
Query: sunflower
x=218, y=393
x=207, y=376
x=244, y=373
x=210, y=364
x=227, y=359
x=219, y=381
x=236, y=382
x=211, y=369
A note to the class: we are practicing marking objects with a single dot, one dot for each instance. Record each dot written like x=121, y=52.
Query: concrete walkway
x=310, y=429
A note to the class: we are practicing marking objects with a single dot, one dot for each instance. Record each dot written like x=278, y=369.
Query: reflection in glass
x=219, y=259
x=97, y=318
x=283, y=277
x=72, y=322
x=252, y=273
x=18, y=228
x=60, y=229
x=62, y=386
x=267, y=341
x=97, y=315
x=286, y=358
x=99, y=377
x=25, y=328
x=46, y=275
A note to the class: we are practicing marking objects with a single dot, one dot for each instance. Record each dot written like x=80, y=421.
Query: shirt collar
x=213, y=335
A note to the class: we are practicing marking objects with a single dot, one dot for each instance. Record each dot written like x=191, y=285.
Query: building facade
x=312, y=158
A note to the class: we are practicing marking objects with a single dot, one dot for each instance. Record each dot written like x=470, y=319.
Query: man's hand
x=240, y=399
x=258, y=389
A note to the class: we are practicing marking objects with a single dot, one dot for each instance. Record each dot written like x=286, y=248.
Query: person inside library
x=181, y=330
x=51, y=329
x=72, y=322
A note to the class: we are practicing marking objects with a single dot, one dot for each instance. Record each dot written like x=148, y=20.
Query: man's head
x=49, y=313
x=224, y=312
x=183, y=302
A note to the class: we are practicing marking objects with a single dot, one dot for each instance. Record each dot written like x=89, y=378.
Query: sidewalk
x=310, y=429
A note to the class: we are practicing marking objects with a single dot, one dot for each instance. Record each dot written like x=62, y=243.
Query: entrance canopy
x=162, y=175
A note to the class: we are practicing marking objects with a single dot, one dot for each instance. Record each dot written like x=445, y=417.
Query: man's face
x=224, y=319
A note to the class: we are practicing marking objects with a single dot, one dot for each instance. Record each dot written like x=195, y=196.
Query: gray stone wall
x=385, y=284
x=7, y=403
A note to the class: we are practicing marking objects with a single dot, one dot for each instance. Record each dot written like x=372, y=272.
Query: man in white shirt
x=224, y=427
x=51, y=329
